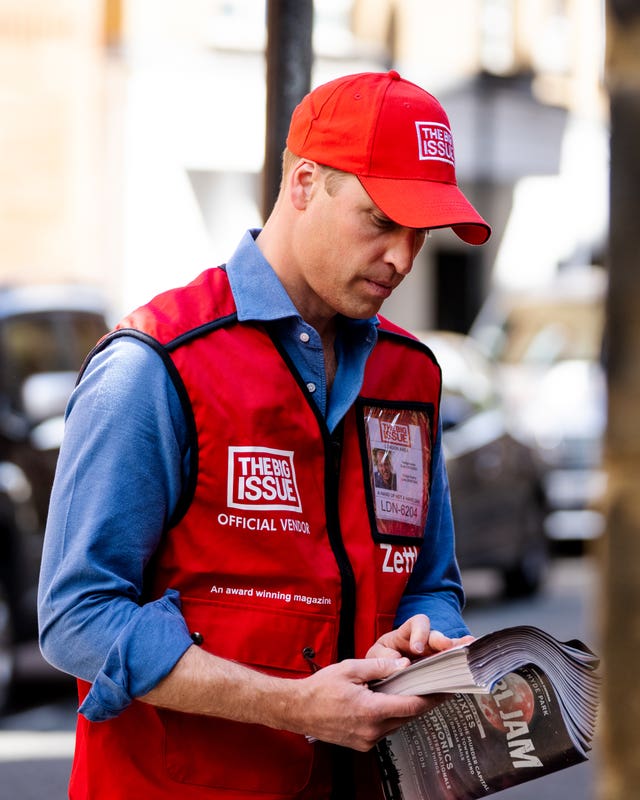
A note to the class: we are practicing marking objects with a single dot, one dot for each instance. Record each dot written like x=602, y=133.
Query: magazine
x=514, y=705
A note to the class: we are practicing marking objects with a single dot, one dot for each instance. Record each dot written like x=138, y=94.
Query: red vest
x=287, y=549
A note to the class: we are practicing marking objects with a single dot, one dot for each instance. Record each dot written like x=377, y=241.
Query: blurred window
x=85, y=330
x=48, y=342
x=468, y=381
x=497, y=36
x=551, y=332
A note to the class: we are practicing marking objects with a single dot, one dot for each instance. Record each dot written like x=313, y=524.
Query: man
x=384, y=477
x=225, y=624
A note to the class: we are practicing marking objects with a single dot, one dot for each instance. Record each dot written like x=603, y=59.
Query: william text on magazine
x=472, y=745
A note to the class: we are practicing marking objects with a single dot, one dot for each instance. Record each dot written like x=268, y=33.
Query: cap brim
x=427, y=204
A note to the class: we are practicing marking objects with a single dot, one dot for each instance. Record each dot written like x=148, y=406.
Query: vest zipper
x=332, y=457
x=346, y=630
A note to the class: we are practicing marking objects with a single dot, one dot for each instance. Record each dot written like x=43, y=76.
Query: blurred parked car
x=547, y=346
x=45, y=332
x=495, y=484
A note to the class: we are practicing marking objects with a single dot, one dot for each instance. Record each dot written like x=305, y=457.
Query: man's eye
x=384, y=223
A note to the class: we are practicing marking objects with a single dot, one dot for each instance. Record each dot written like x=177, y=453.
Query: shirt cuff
x=442, y=608
x=145, y=652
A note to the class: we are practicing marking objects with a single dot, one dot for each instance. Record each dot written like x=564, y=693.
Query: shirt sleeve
x=119, y=476
x=435, y=585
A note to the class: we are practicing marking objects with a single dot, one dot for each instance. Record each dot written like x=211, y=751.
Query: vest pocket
x=228, y=755
x=234, y=756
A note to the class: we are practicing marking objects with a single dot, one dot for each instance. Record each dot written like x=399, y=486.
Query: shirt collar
x=258, y=293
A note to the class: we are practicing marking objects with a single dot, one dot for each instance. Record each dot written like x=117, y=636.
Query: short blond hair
x=332, y=177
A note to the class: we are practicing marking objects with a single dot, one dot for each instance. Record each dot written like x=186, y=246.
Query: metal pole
x=289, y=59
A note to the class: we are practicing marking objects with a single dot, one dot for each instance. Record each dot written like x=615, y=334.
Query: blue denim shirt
x=122, y=463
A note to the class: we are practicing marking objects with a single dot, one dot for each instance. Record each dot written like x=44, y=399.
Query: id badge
x=397, y=455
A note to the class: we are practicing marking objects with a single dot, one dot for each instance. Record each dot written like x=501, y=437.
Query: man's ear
x=301, y=182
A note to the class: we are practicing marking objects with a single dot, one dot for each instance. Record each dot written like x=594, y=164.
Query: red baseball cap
x=396, y=139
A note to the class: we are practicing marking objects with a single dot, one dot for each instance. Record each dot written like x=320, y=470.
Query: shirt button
x=311, y=387
x=304, y=337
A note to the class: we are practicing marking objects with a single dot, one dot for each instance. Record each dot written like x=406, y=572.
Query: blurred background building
x=132, y=141
x=132, y=136
x=132, y=157
x=132, y=151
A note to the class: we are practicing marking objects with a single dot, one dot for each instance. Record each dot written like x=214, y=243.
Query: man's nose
x=403, y=247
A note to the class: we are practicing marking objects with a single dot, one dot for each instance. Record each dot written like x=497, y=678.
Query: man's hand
x=337, y=706
x=414, y=638
x=334, y=704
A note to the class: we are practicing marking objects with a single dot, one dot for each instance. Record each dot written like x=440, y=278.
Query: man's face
x=350, y=256
x=384, y=465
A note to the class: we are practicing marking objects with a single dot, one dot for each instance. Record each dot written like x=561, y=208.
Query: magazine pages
x=518, y=704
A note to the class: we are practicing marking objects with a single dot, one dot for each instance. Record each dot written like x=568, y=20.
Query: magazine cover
x=473, y=745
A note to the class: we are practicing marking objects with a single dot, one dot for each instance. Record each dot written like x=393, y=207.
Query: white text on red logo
x=399, y=560
x=262, y=478
x=435, y=142
x=392, y=433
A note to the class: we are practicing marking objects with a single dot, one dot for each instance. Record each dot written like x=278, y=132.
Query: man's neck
x=311, y=311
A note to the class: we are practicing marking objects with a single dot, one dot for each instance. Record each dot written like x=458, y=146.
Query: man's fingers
x=382, y=667
x=438, y=641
